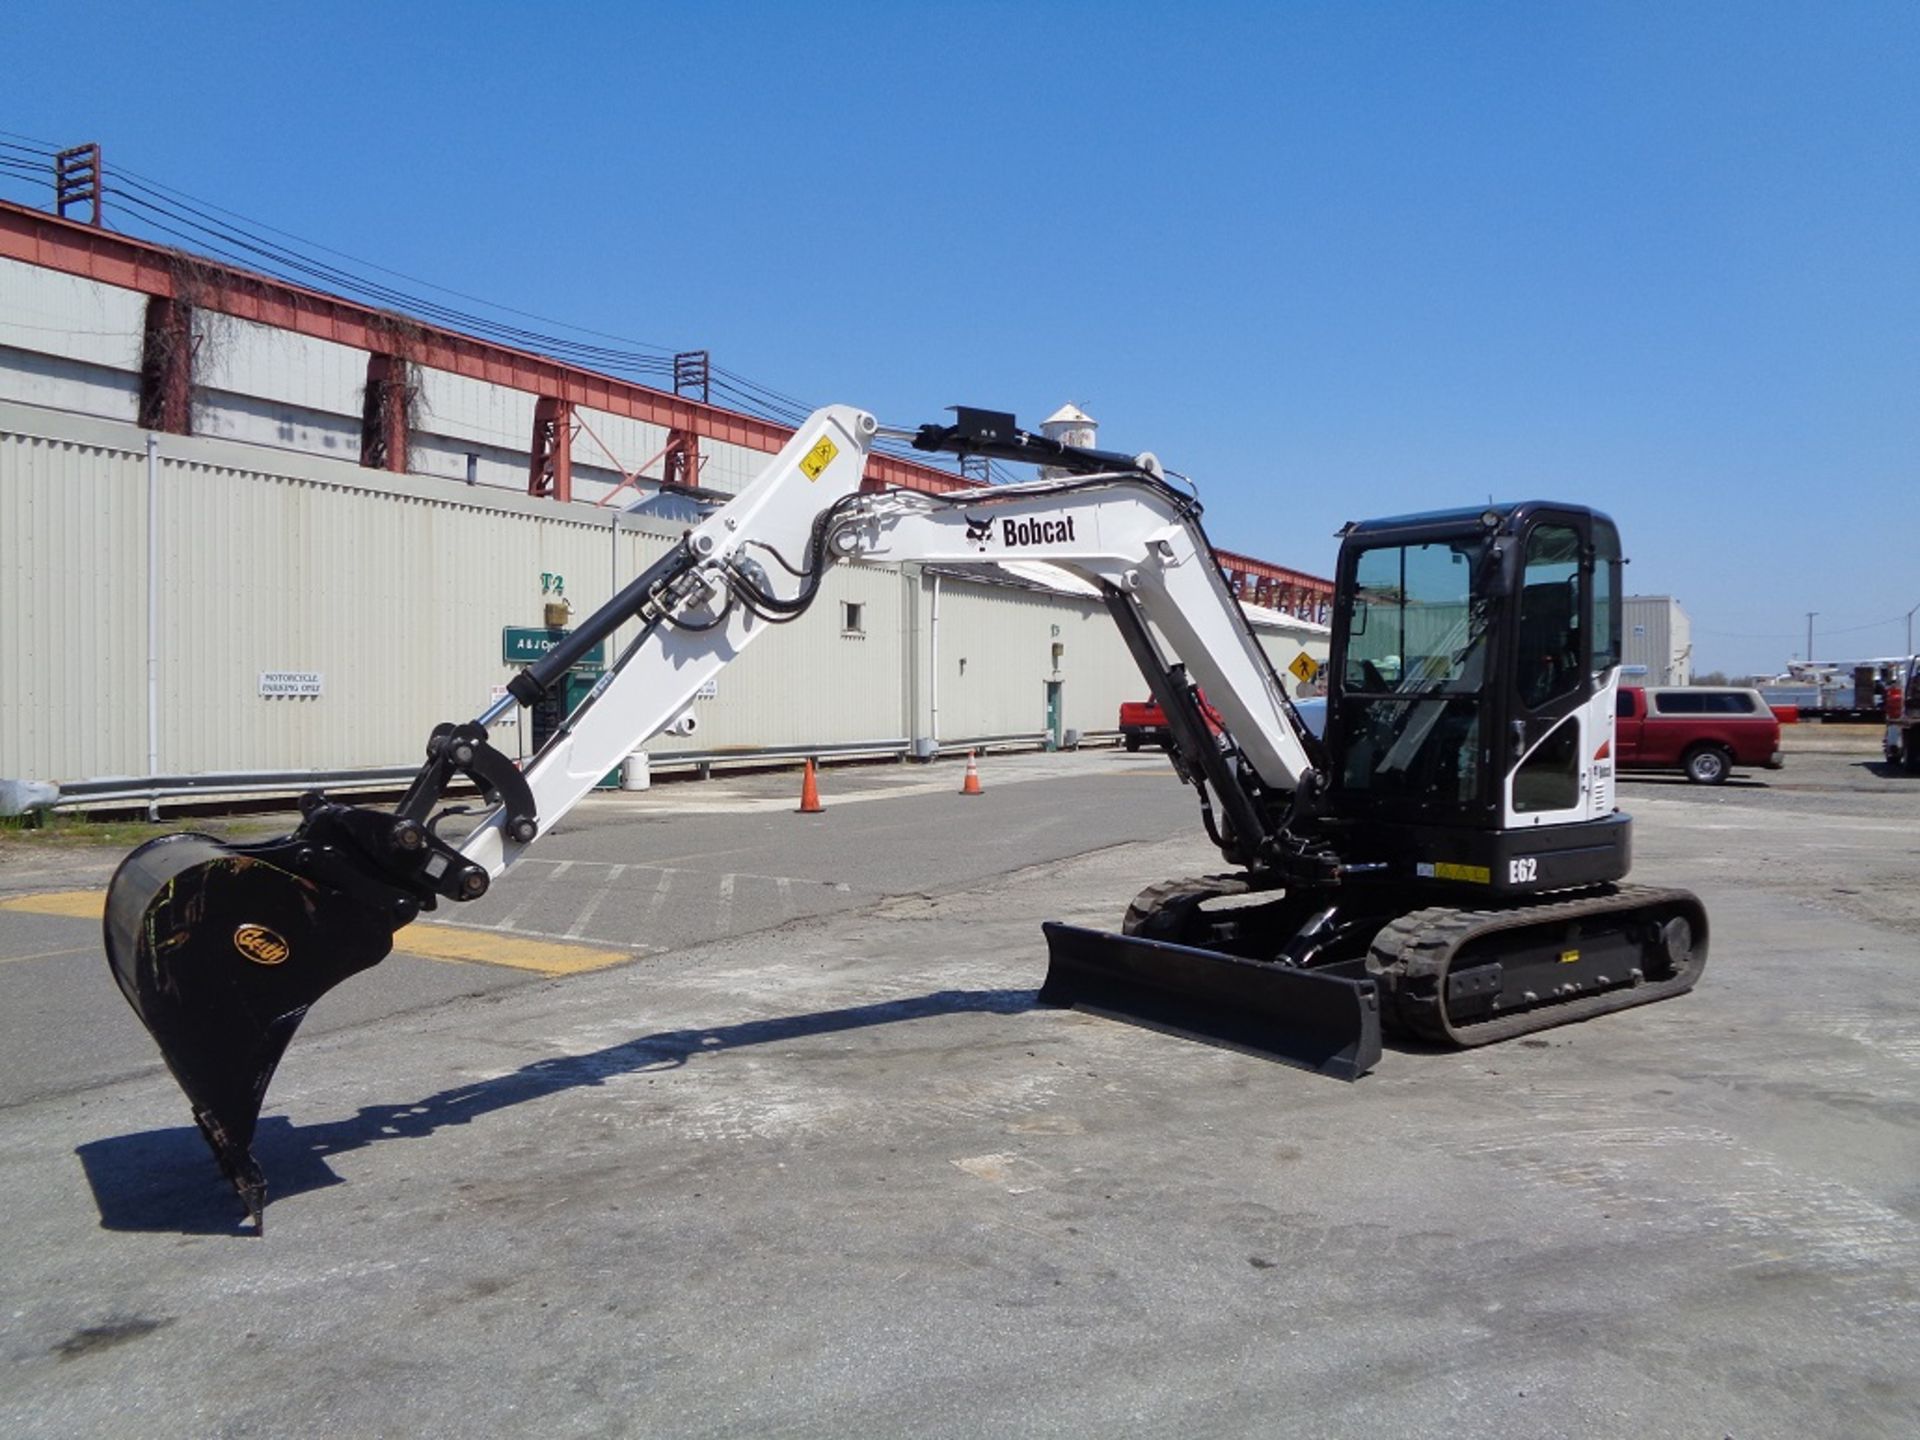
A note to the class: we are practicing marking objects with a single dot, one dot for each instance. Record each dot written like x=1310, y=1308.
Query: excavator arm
x=220, y=949
x=1125, y=531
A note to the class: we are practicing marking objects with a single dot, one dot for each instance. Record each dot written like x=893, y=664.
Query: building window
x=853, y=618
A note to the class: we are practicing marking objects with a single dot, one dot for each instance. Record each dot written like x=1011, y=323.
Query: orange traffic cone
x=810, y=794
x=971, y=785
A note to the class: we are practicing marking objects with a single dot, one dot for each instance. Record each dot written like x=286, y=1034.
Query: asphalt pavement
x=823, y=1168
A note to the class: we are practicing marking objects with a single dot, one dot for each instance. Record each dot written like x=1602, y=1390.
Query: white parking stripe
x=511, y=920
x=686, y=870
x=579, y=926
x=657, y=899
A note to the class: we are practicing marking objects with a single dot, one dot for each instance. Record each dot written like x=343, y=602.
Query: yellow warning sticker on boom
x=819, y=458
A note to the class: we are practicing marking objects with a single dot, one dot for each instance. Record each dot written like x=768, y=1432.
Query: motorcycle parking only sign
x=292, y=684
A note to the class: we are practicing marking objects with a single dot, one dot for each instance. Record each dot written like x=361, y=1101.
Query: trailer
x=1901, y=741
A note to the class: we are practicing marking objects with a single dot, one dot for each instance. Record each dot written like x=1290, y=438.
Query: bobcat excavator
x=1445, y=862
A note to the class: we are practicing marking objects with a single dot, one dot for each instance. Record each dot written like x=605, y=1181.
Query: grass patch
x=69, y=832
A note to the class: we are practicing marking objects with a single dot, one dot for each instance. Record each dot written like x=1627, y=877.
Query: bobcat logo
x=979, y=532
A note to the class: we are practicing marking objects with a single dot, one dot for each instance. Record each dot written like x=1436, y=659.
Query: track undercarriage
x=1457, y=976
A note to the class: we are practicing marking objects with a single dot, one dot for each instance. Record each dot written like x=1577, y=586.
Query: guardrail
x=120, y=790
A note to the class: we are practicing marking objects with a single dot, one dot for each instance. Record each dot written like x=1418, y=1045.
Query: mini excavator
x=1445, y=862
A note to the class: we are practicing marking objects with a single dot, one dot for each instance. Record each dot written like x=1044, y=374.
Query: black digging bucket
x=220, y=949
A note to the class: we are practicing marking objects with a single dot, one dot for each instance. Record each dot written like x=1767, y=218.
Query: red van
x=1701, y=730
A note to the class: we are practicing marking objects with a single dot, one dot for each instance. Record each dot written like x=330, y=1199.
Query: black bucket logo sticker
x=261, y=945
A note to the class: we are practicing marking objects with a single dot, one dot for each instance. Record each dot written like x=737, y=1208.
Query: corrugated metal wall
x=813, y=683
x=396, y=589
x=73, y=576
x=996, y=657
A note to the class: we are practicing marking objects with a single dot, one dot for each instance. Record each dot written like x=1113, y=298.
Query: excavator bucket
x=1309, y=1018
x=220, y=949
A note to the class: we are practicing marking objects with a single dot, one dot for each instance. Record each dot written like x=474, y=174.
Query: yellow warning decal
x=819, y=458
x=1304, y=668
x=1567, y=957
x=1473, y=874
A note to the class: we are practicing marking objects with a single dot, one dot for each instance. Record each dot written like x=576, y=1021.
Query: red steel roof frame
x=38, y=238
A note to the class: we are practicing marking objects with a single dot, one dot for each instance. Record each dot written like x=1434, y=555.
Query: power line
x=397, y=274
x=1825, y=630
x=265, y=250
x=201, y=225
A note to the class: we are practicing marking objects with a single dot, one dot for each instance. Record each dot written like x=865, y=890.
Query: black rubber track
x=1161, y=911
x=1413, y=955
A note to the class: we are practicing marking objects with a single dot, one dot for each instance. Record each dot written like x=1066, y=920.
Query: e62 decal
x=1524, y=870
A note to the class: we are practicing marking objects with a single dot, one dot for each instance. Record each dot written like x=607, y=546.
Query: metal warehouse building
x=253, y=531
x=1657, y=641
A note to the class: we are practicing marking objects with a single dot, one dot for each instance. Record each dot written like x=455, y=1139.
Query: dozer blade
x=1327, y=1023
x=220, y=950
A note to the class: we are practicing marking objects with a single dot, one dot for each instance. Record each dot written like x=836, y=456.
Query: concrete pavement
x=839, y=1177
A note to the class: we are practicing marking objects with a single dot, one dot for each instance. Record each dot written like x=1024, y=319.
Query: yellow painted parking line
x=50, y=954
x=487, y=947
x=73, y=904
x=429, y=942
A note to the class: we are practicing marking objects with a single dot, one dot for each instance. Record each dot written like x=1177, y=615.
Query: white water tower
x=1070, y=425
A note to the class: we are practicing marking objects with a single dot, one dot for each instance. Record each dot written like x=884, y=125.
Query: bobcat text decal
x=1036, y=532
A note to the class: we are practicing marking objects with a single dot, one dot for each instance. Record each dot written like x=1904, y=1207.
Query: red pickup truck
x=1144, y=722
x=1700, y=730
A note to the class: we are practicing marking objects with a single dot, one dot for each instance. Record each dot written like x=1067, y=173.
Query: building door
x=1054, y=736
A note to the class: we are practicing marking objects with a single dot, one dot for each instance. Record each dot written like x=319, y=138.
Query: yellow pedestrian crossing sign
x=1304, y=668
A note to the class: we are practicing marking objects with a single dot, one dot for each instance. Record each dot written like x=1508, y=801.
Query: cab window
x=1547, y=665
x=1606, y=586
x=1416, y=650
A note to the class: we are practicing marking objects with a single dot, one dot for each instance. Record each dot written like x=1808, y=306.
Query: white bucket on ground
x=635, y=772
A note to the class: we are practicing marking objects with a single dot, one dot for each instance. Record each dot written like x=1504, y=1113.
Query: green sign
x=522, y=645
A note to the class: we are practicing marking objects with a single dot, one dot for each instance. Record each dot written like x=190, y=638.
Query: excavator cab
x=1450, y=874
x=1470, y=709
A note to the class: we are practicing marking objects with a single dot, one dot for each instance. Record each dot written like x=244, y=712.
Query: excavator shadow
x=162, y=1181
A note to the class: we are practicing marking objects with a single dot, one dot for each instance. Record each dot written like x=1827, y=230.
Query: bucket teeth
x=240, y=1168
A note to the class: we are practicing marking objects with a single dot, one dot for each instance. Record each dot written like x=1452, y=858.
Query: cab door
x=1560, y=695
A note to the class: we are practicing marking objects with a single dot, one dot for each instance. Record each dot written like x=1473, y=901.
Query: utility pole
x=1910, y=629
x=1810, y=615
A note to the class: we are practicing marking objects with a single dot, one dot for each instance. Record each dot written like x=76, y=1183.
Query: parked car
x=1143, y=722
x=1701, y=730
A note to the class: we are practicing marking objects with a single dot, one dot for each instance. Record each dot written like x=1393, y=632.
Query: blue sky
x=1333, y=260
